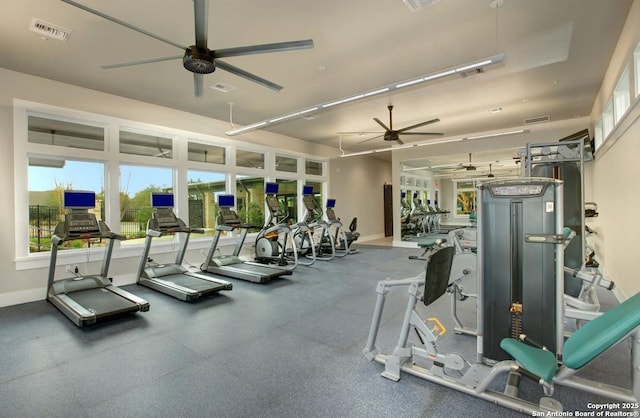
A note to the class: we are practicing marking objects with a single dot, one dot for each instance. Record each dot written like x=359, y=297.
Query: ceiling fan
x=390, y=134
x=469, y=166
x=198, y=58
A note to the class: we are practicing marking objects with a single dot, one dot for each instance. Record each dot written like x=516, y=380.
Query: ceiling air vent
x=414, y=5
x=537, y=119
x=49, y=30
x=223, y=87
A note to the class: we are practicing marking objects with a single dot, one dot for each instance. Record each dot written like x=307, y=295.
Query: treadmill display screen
x=75, y=199
x=271, y=188
x=307, y=190
x=331, y=203
x=226, y=200
x=162, y=200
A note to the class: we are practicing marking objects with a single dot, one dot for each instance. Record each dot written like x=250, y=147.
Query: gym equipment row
x=88, y=299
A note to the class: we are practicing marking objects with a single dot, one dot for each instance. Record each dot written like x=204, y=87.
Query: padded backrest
x=596, y=336
x=437, y=276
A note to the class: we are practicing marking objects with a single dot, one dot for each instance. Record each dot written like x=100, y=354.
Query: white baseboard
x=23, y=296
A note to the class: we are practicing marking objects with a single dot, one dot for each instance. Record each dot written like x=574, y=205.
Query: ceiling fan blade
x=201, y=19
x=381, y=124
x=400, y=141
x=149, y=61
x=198, y=84
x=245, y=74
x=122, y=23
x=417, y=125
x=422, y=133
x=263, y=48
x=370, y=139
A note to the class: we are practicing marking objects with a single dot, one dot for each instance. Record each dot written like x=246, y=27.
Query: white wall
x=357, y=185
x=614, y=177
x=18, y=286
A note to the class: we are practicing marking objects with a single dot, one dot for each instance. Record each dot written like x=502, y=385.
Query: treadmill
x=173, y=279
x=86, y=300
x=233, y=265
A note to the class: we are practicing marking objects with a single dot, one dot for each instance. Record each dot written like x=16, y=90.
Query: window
x=147, y=145
x=249, y=159
x=286, y=164
x=203, y=189
x=314, y=168
x=136, y=185
x=288, y=199
x=250, y=200
x=317, y=196
x=204, y=153
x=48, y=178
x=598, y=134
x=607, y=120
x=65, y=134
x=636, y=65
x=465, y=192
x=621, y=96
x=68, y=149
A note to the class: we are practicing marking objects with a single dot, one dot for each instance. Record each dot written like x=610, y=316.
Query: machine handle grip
x=439, y=330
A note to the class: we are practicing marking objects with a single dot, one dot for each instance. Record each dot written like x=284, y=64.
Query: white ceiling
x=556, y=54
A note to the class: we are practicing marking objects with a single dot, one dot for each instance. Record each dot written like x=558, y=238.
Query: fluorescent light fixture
x=519, y=131
x=409, y=83
x=436, y=142
x=438, y=75
x=405, y=146
x=373, y=93
x=250, y=127
x=495, y=59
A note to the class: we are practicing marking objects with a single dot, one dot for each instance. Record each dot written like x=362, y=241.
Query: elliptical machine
x=342, y=239
x=319, y=229
x=274, y=243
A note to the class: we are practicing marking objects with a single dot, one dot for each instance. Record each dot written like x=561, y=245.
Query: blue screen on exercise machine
x=226, y=200
x=162, y=200
x=307, y=190
x=76, y=199
x=271, y=188
x=331, y=203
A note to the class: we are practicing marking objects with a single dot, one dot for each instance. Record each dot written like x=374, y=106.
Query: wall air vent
x=223, y=87
x=49, y=30
x=538, y=119
x=415, y=5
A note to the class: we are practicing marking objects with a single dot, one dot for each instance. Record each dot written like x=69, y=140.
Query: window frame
x=112, y=159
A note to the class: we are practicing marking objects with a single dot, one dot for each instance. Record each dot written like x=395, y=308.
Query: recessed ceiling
x=359, y=47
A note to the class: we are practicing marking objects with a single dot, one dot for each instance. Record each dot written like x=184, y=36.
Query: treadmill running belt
x=190, y=282
x=102, y=302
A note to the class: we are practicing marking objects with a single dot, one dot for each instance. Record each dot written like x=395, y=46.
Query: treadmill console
x=165, y=219
x=79, y=224
x=227, y=216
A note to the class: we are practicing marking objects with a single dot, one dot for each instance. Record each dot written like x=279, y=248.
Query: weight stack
x=520, y=257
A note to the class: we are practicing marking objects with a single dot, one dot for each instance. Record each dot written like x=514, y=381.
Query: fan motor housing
x=391, y=136
x=198, y=60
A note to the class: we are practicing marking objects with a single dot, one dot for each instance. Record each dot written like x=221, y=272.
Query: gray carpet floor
x=291, y=347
